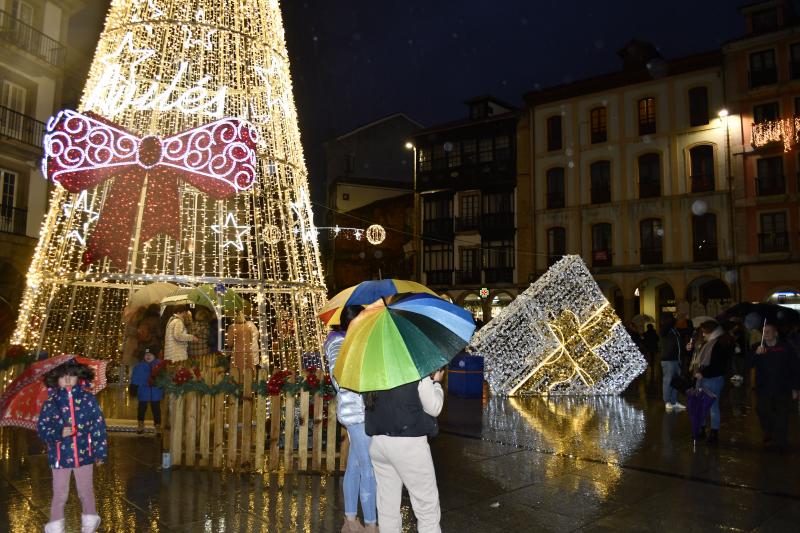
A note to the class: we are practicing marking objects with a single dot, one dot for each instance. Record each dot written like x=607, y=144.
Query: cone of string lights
x=182, y=164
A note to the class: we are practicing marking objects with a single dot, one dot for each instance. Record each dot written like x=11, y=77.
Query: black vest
x=398, y=413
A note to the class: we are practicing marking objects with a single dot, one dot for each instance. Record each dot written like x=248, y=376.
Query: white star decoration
x=81, y=203
x=230, y=222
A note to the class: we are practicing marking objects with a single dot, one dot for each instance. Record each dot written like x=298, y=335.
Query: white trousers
x=399, y=461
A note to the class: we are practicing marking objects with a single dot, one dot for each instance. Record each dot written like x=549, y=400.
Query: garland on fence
x=182, y=380
x=16, y=355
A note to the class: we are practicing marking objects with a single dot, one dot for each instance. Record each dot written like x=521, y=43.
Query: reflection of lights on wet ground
x=602, y=429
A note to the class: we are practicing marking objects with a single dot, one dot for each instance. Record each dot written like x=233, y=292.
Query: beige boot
x=352, y=526
x=89, y=523
x=56, y=526
x=371, y=528
x=140, y=428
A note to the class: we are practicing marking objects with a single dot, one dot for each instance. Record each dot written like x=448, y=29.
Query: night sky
x=354, y=61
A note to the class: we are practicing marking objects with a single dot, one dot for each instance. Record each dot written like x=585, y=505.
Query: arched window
x=555, y=188
x=651, y=251
x=600, y=173
x=704, y=237
x=649, y=176
x=702, y=162
x=601, y=245
x=556, y=244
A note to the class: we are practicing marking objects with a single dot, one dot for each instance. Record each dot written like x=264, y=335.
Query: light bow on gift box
x=84, y=149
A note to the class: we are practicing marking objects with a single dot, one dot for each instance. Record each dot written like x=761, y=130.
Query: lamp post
x=415, y=221
x=736, y=285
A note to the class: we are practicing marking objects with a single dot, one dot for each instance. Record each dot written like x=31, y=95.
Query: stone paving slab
x=619, y=464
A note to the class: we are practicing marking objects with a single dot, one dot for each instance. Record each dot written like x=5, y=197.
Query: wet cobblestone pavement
x=571, y=464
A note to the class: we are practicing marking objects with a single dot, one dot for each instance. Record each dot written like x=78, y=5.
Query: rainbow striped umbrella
x=388, y=345
x=365, y=293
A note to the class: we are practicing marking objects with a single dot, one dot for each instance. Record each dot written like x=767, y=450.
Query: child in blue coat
x=72, y=425
x=146, y=392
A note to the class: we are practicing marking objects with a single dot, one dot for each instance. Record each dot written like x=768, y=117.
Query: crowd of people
x=759, y=366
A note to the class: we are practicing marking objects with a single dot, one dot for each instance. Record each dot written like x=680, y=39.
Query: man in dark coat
x=777, y=383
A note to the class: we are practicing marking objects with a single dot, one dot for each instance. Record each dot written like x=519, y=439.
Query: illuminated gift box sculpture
x=560, y=336
x=182, y=164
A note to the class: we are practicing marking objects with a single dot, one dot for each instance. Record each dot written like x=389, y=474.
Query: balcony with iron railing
x=705, y=251
x=499, y=274
x=471, y=223
x=649, y=189
x=759, y=78
x=13, y=220
x=464, y=277
x=497, y=222
x=770, y=185
x=601, y=258
x=651, y=256
x=28, y=38
x=439, y=277
x=437, y=228
x=702, y=183
x=555, y=200
x=21, y=127
x=601, y=195
x=773, y=242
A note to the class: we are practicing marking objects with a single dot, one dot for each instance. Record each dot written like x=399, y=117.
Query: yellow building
x=630, y=170
x=34, y=66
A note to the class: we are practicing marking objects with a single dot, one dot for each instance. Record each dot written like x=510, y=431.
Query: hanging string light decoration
x=560, y=336
x=785, y=130
x=375, y=234
x=190, y=171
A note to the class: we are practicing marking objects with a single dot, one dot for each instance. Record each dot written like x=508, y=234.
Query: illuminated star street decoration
x=560, y=336
x=240, y=231
x=81, y=204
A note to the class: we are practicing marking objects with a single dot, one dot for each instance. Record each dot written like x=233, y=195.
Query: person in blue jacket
x=72, y=426
x=146, y=393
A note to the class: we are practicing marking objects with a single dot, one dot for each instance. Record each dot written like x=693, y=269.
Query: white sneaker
x=678, y=406
x=669, y=407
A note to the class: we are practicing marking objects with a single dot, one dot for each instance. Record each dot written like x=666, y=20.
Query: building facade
x=466, y=182
x=631, y=171
x=763, y=93
x=33, y=59
x=369, y=181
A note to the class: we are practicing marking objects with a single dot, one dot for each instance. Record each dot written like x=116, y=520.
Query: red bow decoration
x=84, y=150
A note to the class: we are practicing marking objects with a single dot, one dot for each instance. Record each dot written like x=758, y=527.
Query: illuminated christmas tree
x=183, y=164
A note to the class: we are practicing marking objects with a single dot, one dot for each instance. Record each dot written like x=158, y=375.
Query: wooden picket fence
x=253, y=432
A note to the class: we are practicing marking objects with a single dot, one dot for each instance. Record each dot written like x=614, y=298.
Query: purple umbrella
x=698, y=404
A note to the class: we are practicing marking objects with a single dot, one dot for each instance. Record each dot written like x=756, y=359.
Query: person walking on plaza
x=777, y=383
x=400, y=420
x=708, y=367
x=650, y=342
x=671, y=348
x=146, y=393
x=359, y=478
x=72, y=426
x=176, y=339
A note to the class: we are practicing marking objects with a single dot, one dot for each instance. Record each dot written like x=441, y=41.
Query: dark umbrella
x=698, y=405
x=754, y=314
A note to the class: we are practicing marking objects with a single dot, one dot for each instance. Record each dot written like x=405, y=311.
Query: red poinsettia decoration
x=312, y=380
x=329, y=390
x=277, y=381
x=156, y=370
x=16, y=350
x=183, y=375
x=197, y=373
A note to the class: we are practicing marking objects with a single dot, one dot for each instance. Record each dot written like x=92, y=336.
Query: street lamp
x=415, y=224
x=723, y=117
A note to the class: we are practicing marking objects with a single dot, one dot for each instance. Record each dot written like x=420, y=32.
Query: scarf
x=702, y=357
